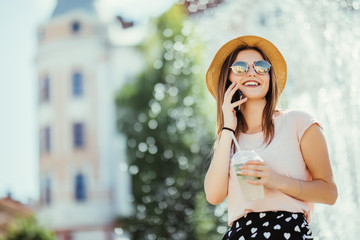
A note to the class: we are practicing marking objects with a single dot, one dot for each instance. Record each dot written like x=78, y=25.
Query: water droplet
x=150, y=140
x=173, y=91
x=168, y=154
x=153, y=124
x=142, y=147
x=153, y=149
x=170, y=79
x=155, y=107
x=158, y=64
x=172, y=191
x=132, y=143
x=133, y=169
x=118, y=231
x=123, y=166
x=168, y=32
x=183, y=162
x=188, y=111
x=169, y=181
x=142, y=117
x=138, y=127
x=169, y=55
x=146, y=189
x=178, y=46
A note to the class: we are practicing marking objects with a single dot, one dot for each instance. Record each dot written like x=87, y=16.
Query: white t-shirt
x=283, y=155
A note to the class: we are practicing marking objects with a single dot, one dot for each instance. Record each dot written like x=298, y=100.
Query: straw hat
x=277, y=60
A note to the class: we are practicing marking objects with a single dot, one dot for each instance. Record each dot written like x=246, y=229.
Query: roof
x=64, y=6
x=10, y=205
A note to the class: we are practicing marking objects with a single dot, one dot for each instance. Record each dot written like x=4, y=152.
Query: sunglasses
x=260, y=67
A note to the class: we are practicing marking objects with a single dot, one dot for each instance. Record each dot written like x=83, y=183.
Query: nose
x=251, y=71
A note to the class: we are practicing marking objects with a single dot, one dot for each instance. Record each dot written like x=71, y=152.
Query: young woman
x=295, y=171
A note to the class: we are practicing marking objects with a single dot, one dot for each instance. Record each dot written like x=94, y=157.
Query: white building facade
x=84, y=183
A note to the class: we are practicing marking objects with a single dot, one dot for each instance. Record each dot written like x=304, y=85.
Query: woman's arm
x=217, y=176
x=321, y=189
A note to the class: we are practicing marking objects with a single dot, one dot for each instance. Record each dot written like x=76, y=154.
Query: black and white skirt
x=279, y=225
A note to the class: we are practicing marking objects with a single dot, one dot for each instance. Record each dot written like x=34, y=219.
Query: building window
x=48, y=191
x=44, y=90
x=78, y=135
x=77, y=84
x=80, y=188
x=45, y=140
x=75, y=26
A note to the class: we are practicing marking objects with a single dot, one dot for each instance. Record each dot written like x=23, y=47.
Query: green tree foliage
x=28, y=229
x=166, y=122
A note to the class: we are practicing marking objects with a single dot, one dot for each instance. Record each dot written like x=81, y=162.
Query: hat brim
x=277, y=60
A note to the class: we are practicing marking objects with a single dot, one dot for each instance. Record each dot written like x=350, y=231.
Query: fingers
x=229, y=95
x=230, y=88
x=230, y=92
x=256, y=168
x=267, y=177
x=238, y=103
x=256, y=182
x=262, y=177
x=234, y=90
x=229, y=113
x=255, y=164
x=254, y=171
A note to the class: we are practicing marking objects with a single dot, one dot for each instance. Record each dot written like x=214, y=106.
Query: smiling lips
x=251, y=83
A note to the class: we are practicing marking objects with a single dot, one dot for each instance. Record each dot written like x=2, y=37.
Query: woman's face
x=252, y=84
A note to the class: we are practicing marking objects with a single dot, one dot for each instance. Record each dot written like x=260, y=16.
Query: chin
x=253, y=96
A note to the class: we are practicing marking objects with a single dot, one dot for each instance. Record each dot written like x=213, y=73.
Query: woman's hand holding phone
x=228, y=106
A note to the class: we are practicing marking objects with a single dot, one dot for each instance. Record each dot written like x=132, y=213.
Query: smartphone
x=237, y=95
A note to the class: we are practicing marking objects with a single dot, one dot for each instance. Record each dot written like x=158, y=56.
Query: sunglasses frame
x=253, y=66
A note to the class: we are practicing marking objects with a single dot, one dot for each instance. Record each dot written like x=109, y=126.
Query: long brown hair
x=271, y=99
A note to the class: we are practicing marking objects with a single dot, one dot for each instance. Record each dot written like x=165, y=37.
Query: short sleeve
x=303, y=120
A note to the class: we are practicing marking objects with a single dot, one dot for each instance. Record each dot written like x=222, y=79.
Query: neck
x=252, y=111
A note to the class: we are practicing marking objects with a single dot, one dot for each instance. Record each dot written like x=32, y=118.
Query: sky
x=19, y=20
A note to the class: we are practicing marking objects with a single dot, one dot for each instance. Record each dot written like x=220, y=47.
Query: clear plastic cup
x=250, y=192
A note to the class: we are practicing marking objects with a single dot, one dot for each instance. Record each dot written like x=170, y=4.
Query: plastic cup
x=250, y=192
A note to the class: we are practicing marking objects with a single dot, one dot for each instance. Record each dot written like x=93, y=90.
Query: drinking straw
x=235, y=141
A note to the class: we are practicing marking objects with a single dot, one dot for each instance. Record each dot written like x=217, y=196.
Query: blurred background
x=107, y=126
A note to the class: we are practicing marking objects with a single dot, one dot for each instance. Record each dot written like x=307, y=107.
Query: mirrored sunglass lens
x=262, y=67
x=239, y=67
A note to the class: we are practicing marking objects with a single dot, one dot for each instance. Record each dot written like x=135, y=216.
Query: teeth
x=251, y=84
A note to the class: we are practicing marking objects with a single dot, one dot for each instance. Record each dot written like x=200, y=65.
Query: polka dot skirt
x=278, y=225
